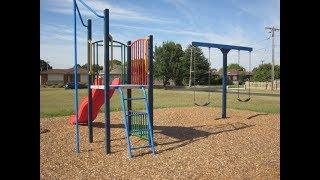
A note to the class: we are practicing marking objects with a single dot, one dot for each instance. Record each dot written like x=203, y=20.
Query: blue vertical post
x=75, y=77
x=224, y=82
x=89, y=31
x=93, y=74
x=150, y=80
x=129, y=81
x=121, y=59
x=124, y=64
x=106, y=81
x=98, y=60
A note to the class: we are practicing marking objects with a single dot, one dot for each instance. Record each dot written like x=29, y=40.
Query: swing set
x=225, y=50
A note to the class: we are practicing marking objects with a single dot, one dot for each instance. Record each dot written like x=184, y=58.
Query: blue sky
x=182, y=21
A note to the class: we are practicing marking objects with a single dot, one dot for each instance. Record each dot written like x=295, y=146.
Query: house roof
x=234, y=73
x=64, y=71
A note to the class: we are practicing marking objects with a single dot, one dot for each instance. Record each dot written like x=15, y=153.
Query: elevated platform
x=123, y=86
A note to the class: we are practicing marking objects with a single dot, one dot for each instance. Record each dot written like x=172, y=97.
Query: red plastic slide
x=97, y=102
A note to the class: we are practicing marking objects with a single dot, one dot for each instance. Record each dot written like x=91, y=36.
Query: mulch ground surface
x=191, y=143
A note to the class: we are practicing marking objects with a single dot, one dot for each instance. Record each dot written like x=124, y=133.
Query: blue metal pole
x=106, y=81
x=129, y=103
x=98, y=60
x=224, y=82
x=121, y=54
x=75, y=76
x=93, y=74
x=150, y=81
x=90, y=132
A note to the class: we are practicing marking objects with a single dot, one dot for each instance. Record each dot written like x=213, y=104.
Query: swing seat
x=246, y=100
x=205, y=104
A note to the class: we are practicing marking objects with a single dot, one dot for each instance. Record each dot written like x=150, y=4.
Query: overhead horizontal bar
x=221, y=46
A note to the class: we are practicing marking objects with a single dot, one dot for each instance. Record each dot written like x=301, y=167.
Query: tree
x=277, y=72
x=44, y=65
x=263, y=72
x=200, y=65
x=95, y=67
x=167, y=63
x=235, y=66
x=115, y=62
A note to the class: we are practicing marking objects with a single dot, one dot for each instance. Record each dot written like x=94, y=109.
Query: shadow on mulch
x=259, y=114
x=42, y=130
x=185, y=135
x=101, y=125
x=221, y=118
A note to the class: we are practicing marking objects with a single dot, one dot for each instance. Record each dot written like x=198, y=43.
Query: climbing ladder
x=140, y=125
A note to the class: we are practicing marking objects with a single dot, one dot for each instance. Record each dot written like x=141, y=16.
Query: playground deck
x=192, y=143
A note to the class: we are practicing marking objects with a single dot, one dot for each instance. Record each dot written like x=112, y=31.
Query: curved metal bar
x=120, y=43
x=80, y=15
x=90, y=9
x=97, y=41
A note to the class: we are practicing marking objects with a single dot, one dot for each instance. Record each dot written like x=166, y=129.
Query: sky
x=233, y=22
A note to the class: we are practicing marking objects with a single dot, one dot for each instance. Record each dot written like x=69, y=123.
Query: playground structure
x=225, y=50
x=137, y=73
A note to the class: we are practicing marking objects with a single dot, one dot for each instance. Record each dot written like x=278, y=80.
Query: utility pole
x=262, y=62
x=272, y=30
x=47, y=65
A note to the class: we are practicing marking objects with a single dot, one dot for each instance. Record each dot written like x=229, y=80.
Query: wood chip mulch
x=192, y=143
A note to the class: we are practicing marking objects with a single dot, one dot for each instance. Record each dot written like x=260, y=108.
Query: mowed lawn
x=60, y=102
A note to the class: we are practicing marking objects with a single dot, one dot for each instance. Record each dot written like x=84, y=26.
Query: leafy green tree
x=263, y=72
x=114, y=63
x=168, y=64
x=235, y=66
x=277, y=72
x=200, y=65
x=44, y=65
x=95, y=67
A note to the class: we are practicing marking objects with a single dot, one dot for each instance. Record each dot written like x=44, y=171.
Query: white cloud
x=267, y=11
x=65, y=7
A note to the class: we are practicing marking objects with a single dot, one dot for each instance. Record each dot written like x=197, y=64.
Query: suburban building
x=63, y=76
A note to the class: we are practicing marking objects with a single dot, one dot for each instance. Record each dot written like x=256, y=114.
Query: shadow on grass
x=183, y=135
x=256, y=115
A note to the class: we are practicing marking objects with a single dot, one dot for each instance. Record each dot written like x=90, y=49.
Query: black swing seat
x=205, y=104
x=246, y=100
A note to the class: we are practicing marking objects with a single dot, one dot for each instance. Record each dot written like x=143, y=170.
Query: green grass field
x=59, y=102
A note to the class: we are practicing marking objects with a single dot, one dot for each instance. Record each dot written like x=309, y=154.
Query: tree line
x=173, y=63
